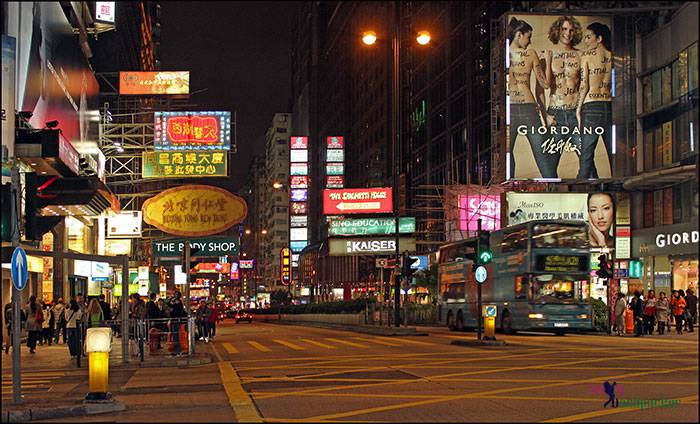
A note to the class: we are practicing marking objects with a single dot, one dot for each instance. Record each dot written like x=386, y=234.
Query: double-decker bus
x=538, y=279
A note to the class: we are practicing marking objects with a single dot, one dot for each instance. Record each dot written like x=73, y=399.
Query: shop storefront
x=669, y=255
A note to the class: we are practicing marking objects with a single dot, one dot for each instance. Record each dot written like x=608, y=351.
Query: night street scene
x=369, y=211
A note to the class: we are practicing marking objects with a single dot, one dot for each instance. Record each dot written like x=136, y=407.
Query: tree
x=428, y=279
x=280, y=297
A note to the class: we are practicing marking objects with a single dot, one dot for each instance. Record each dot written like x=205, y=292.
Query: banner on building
x=186, y=164
x=154, y=82
x=207, y=130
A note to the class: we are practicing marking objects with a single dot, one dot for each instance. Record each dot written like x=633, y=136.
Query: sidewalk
x=54, y=387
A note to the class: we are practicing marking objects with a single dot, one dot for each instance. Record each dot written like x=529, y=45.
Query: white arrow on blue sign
x=480, y=274
x=19, y=268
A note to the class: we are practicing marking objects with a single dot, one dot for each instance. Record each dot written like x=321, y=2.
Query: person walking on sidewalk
x=662, y=310
x=203, y=314
x=35, y=317
x=649, y=313
x=177, y=311
x=691, y=305
x=9, y=319
x=212, y=320
x=106, y=310
x=678, y=309
x=638, y=312
x=620, y=309
x=73, y=316
x=47, y=325
x=95, y=314
x=59, y=320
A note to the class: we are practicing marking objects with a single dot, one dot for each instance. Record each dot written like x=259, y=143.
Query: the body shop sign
x=471, y=208
x=205, y=247
x=194, y=210
x=369, y=246
x=357, y=200
x=286, y=265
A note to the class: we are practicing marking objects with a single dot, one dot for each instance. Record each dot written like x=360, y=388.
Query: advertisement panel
x=286, y=265
x=154, y=82
x=301, y=155
x=124, y=224
x=299, y=143
x=247, y=263
x=298, y=246
x=357, y=200
x=205, y=247
x=335, y=155
x=486, y=207
x=234, y=271
x=298, y=169
x=335, y=142
x=559, y=95
x=335, y=181
x=212, y=267
x=296, y=221
x=54, y=79
x=104, y=11
x=597, y=209
x=298, y=208
x=298, y=234
x=299, y=181
x=186, y=164
x=299, y=195
x=115, y=247
x=9, y=47
x=192, y=131
x=368, y=226
x=335, y=169
x=369, y=246
x=194, y=210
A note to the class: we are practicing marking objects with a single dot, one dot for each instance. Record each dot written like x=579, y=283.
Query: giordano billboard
x=559, y=93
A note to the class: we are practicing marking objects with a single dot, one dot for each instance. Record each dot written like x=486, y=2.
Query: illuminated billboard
x=299, y=181
x=299, y=195
x=154, y=82
x=184, y=164
x=335, y=142
x=335, y=181
x=298, y=208
x=301, y=155
x=298, y=234
x=297, y=221
x=299, y=143
x=247, y=263
x=335, y=155
x=357, y=200
x=286, y=265
x=299, y=169
x=475, y=207
x=334, y=169
x=298, y=246
x=559, y=90
x=192, y=130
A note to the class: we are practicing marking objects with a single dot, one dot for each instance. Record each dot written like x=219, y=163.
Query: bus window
x=557, y=289
x=453, y=292
x=522, y=287
x=558, y=235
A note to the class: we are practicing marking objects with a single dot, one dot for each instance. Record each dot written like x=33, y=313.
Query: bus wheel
x=450, y=321
x=507, y=323
x=460, y=321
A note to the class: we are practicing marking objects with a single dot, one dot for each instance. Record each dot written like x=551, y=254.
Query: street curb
x=479, y=343
x=36, y=414
x=381, y=331
x=168, y=363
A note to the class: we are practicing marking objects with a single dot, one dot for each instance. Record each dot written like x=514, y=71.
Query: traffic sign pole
x=16, y=314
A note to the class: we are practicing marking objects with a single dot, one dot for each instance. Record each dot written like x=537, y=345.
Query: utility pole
x=16, y=314
x=478, y=247
x=396, y=139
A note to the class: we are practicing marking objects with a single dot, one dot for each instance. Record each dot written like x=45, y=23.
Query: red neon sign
x=335, y=181
x=335, y=142
x=299, y=181
x=188, y=129
x=299, y=143
x=357, y=200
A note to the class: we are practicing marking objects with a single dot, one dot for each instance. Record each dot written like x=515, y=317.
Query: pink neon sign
x=471, y=208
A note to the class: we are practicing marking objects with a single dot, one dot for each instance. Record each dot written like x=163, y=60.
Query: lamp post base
x=99, y=397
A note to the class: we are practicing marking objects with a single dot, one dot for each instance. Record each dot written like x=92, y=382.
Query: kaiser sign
x=357, y=200
x=374, y=246
x=194, y=210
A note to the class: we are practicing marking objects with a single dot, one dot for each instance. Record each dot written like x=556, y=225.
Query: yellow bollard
x=490, y=328
x=98, y=344
x=99, y=371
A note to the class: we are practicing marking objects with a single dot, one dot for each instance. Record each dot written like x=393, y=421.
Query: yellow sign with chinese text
x=184, y=164
x=194, y=210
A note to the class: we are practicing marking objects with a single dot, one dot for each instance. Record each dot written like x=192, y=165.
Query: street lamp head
x=247, y=231
x=277, y=185
x=423, y=38
x=263, y=232
x=369, y=37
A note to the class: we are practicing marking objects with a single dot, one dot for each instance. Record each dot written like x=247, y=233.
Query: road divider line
x=348, y=343
x=258, y=346
x=319, y=344
x=229, y=348
x=240, y=402
x=289, y=345
x=413, y=342
x=371, y=340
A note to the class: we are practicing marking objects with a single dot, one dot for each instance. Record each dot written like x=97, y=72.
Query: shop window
x=656, y=90
x=648, y=209
x=693, y=67
x=685, y=275
x=647, y=94
x=666, y=86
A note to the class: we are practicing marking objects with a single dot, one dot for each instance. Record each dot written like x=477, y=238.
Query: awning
x=48, y=152
x=661, y=178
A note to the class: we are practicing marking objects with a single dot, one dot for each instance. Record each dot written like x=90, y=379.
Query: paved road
x=294, y=373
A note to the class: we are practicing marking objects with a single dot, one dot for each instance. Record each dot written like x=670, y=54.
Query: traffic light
x=36, y=226
x=485, y=253
x=605, y=272
x=406, y=265
x=6, y=212
x=473, y=244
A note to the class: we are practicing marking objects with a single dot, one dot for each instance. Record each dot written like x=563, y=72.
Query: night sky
x=240, y=53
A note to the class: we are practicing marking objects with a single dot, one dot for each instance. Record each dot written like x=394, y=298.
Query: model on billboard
x=564, y=74
x=601, y=215
x=595, y=100
x=524, y=107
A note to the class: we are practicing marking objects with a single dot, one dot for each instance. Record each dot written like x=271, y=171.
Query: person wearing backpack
x=35, y=317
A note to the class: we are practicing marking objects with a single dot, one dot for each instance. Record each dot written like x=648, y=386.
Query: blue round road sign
x=19, y=268
x=480, y=274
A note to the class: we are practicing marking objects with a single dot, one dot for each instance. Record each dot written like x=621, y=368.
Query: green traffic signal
x=485, y=257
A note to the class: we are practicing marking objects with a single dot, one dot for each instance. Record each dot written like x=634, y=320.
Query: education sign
x=370, y=246
x=365, y=226
x=194, y=210
x=357, y=200
x=207, y=247
x=185, y=164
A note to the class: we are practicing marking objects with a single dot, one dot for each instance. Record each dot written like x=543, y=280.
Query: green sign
x=207, y=246
x=485, y=257
x=635, y=269
x=184, y=164
x=367, y=226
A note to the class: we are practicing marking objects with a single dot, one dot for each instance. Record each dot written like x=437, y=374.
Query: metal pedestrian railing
x=165, y=336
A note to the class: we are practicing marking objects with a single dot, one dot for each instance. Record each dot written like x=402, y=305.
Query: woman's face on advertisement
x=600, y=212
x=590, y=39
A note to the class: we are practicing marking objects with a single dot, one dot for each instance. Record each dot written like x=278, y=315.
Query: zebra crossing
x=33, y=383
x=329, y=343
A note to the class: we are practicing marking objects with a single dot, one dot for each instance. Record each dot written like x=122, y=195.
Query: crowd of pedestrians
x=660, y=313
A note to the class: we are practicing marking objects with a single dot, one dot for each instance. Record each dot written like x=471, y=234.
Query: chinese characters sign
x=160, y=82
x=194, y=210
x=486, y=207
x=192, y=130
x=286, y=262
x=174, y=164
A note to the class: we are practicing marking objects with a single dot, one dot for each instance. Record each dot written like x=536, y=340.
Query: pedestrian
x=94, y=314
x=47, y=325
x=73, y=317
x=691, y=302
x=152, y=311
x=116, y=326
x=177, y=312
x=620, y=309
x=662, y=309
x=35, y=317
x=678, y=309
x=638, y=313
x=649, y=313
x=202, y=316
x=213, y=317
x=59, y=319
x=138, y=307
x=106, y=310
x=9, y=320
